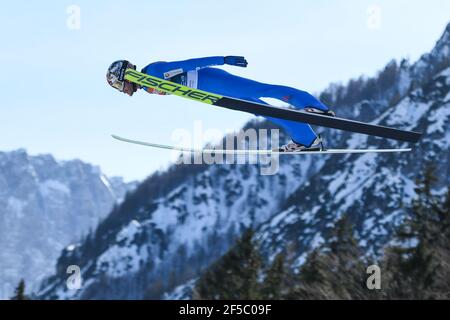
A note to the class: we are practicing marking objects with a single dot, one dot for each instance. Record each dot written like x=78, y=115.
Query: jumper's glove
x=236, y=61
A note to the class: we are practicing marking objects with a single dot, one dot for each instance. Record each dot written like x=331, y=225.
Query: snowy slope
x=44, y=205
x=180, y=221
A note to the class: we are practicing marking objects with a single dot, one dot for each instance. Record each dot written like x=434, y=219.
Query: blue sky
x=55, y=98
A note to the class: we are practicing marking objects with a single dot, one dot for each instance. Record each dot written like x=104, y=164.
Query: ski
x=145, y=80
x=254, y=152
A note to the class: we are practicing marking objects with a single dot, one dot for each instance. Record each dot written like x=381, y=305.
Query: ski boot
x=292, y=146
x=328, y=113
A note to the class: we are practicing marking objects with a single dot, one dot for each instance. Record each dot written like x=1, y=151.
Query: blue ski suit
x=197, y=73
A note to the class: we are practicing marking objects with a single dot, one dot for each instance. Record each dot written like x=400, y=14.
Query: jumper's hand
x=236, y=61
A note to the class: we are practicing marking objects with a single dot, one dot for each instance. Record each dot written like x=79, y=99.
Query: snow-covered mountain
x=373, y=189
x=178, y=222
x=44, y=206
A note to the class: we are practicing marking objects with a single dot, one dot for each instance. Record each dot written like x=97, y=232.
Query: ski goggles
x=119, y=85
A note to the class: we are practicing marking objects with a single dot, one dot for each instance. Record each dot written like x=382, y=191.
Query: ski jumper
x=197, y=73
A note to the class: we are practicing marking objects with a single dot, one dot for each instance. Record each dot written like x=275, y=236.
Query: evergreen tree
x=346, y=270
x=311, y=282
x=312, y=271
x=19, y=292
x=335, y=270
x=235, y=275
x=274, y=283
x=421, y=263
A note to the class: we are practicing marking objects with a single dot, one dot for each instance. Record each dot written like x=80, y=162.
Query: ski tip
x=116, y=137
x=119, y=138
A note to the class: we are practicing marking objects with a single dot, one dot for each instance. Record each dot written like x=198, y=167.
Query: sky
x=54, y=97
